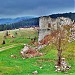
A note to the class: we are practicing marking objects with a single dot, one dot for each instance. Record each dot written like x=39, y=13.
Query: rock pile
x=29, y=52
x=64, y=67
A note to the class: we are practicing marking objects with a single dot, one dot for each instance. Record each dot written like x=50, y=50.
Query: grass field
x=19, y=66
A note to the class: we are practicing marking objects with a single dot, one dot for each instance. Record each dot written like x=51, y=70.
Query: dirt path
x=7, y=47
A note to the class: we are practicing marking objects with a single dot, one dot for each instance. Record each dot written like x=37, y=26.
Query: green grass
x=19, y=66
x=16, y=66
x=21, y=37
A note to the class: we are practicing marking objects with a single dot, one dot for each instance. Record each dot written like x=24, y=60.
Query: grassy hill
x=19, y=66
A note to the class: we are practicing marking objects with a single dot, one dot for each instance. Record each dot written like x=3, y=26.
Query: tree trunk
x=59, y=57
x=59, y=50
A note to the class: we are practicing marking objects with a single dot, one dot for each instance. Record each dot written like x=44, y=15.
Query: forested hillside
x=33, y=21
x=69, y=15
x=24, y=23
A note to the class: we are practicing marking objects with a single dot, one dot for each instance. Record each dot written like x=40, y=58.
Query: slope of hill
x=20, y=66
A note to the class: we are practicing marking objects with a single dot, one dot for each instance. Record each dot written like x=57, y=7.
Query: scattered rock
x=40, y=67
x=35, y=72
x=13, y=56
x=64, y=67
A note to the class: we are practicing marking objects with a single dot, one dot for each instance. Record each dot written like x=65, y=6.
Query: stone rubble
x=29, y=52
x=64, y=67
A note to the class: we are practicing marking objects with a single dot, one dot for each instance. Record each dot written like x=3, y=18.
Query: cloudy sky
x=18, y=8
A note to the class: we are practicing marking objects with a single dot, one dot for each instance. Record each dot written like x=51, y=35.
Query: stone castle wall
x=48, y=24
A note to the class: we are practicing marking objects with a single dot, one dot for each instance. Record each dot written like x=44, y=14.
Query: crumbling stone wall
x=48, y=24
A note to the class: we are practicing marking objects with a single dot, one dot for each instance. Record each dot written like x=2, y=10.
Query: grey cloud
x=34, y=7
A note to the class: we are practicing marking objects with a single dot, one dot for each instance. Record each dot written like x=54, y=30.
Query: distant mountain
x=31, y=22
x=14, y=20
x=8, y=23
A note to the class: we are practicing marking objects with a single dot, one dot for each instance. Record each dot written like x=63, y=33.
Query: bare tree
x=60, y=44
x=59, y=50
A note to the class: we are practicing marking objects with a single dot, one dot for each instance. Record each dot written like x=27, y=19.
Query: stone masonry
x=48, y=24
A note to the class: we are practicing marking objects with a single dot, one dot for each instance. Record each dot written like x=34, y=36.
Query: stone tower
x=48, y=24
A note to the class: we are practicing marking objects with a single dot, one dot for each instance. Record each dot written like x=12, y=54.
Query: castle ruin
x=48, y=24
